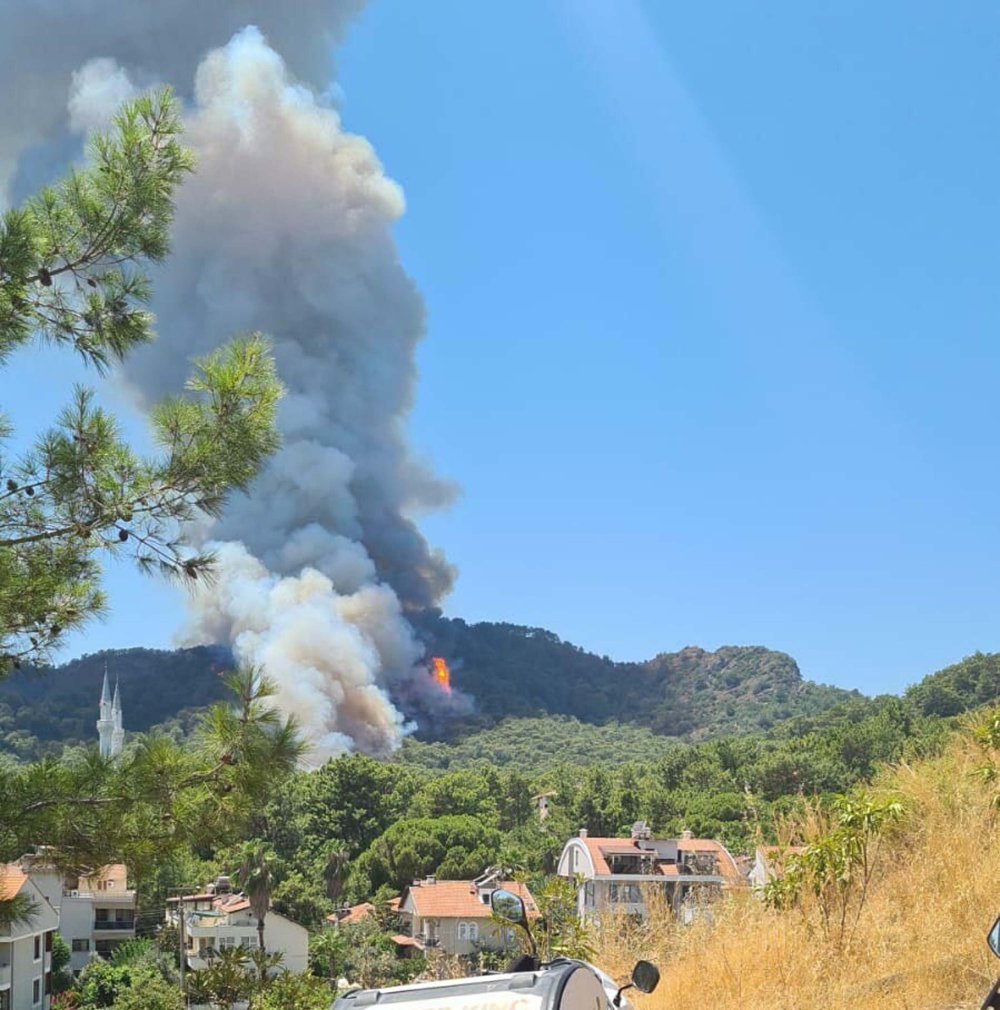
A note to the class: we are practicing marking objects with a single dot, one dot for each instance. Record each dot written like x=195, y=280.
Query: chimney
x=430, y=880
x=641, y=831
x=686, y=834
x=583, y=832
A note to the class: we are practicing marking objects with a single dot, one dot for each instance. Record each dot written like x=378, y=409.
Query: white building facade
x=455, y=915
x=642, y=874
x=26, y=948
x=96, y=913
x=218, y=919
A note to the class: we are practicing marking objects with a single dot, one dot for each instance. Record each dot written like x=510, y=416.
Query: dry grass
x=920, y=939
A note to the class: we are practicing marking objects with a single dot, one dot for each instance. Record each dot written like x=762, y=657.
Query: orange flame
x=441, y=673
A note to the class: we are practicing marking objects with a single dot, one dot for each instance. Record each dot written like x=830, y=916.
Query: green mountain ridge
x=527, y=672
x=516, y=675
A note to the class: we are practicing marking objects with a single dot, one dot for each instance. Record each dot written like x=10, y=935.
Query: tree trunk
x=260, y=943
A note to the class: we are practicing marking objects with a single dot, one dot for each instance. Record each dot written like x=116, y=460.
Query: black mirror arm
x=618, y=995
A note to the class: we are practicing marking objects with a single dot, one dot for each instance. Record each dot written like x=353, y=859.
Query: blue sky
x=712, y=321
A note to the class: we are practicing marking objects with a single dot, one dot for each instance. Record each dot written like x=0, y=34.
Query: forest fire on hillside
x=441, y=673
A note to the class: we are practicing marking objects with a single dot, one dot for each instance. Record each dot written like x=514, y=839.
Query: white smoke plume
x=286, y=228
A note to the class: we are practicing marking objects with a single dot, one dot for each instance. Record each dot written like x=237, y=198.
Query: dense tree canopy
x=159, y=797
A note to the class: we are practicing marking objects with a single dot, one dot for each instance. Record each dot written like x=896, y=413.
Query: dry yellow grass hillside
x=919, y=940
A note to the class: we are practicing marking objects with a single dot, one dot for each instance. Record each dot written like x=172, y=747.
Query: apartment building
x=26, y=948
x=96, y=913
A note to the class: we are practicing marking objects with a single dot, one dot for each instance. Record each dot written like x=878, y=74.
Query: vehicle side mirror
x=993, y=937
x=645, y=976
x=508, y=906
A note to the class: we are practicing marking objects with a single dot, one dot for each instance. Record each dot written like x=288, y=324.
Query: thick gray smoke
x=286, y=228
x=43, y=42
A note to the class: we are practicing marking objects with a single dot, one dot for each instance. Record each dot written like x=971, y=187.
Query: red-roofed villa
x=618, y=874
x=456, y=916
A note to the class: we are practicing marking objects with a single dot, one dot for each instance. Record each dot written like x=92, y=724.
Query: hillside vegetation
x=541, y=744
x=973, y=682
x=510, y=671
x=517, y=671
x=40, y=709
x=538, y=699
x=919, y=938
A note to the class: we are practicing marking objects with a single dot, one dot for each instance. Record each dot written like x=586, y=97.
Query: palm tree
x=337, y=860
x=256, y=877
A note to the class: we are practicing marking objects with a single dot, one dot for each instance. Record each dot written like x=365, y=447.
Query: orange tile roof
x=354, y=914
x=726, y=865
x=231, y=903
x=12, y=879
x=458, y=899
x=407, y=941
x=595, y=846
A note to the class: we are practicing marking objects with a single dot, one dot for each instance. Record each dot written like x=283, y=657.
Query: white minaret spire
x=118, y=731
x=109, y=726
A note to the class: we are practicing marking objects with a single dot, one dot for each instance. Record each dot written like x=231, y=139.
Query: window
x=48, y=940
x=36, y=991
x=81, y=946
x=5, y=999
x=249, y=942
x=38, y=947
x=225, y=942
x=48, y=983
x=588, y=894
x=463, y=931
x=473, y=931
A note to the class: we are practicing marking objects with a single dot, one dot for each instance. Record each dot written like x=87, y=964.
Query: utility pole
x=180, y=892
x=184, y=957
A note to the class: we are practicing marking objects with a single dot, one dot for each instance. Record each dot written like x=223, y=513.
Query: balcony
x=100, y=925
x=101, y=897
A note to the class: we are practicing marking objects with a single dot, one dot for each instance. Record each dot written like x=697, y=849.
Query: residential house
x=769, y=863
x=350, y=915
x=620, y=874
x=26, y=948
x=96, y=912
x=455, y=915
x=218, y=919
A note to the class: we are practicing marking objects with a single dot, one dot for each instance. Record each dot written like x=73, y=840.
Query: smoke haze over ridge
x=285, y=228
